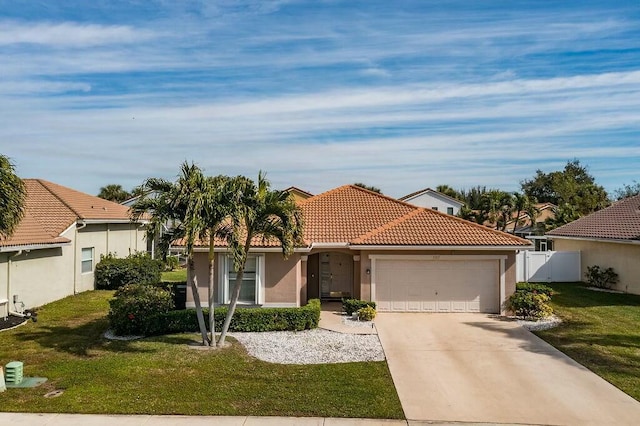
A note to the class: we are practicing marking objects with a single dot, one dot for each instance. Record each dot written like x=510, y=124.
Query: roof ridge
x=55, y=194
x=378, y=194
x=388, y=225
x=432, y=190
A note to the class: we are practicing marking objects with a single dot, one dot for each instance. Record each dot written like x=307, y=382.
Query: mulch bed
x=11, y=321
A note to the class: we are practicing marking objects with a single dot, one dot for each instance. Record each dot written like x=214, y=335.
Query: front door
x=336, y=275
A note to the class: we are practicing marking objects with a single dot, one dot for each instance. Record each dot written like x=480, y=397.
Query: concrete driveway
x=476, y=368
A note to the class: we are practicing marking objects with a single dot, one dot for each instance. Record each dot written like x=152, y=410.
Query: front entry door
x=336, y=275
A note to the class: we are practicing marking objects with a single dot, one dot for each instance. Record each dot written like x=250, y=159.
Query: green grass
x=175, y=275
x=600, y=331
x=163, y=376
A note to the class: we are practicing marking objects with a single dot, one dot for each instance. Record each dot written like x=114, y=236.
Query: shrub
x=601, y=278
x=367, y=313
x=529, y=305
x=354, y=305
x=112, y=272
x=244, y=320
x=534, y=288
x=171, y=263
x=134, y=305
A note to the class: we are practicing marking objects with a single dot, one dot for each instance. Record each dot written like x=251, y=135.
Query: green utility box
x=13, y=373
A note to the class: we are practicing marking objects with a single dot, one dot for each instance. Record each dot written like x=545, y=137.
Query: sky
x=401, y=95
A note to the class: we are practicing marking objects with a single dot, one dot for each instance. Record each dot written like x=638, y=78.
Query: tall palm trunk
x=193, y=281
x=212, y=320
x=515, y=223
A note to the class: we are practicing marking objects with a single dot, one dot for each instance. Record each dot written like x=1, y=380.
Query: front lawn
x=162, y=375
x=601, y=331
x=175, y=275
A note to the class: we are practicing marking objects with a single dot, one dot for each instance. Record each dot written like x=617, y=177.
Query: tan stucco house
x=361, y=244
x=609, y=238
x=56, y=246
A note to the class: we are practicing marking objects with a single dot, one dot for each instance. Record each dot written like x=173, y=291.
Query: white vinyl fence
x=548, y=266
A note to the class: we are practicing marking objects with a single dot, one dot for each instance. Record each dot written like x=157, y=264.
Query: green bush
x=601, y=278
x=354, y=305
x=112, y=272
x=244, y=320
x=529, y=305
x=171, y=263
x=534, y=288
x=134, y=305
x=367, y=313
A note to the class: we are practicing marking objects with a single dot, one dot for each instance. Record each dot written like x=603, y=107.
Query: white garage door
x=437, y=285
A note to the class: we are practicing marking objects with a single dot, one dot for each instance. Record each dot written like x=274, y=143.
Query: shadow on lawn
x=571, y=295
x=76, y=339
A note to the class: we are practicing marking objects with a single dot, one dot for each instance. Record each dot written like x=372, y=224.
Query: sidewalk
x=131, y=420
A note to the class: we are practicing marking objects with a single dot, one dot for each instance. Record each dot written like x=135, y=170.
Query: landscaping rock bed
x=315, y=346
x=543, y=324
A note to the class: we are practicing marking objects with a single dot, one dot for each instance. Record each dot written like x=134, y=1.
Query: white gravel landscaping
x=315, y=346
x=543, y=324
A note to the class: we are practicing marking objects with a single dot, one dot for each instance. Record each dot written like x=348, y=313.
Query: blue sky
x=401, y=95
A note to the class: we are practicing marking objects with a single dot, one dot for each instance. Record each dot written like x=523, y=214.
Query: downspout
x=79, y=225
x=9, y=257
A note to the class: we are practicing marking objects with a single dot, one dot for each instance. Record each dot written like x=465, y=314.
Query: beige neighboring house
x=55, y=248
x=609, y=238
x=432, y=199
x=298, y=194
x=365, y=245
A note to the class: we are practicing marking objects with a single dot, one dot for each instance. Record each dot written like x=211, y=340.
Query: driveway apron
x=477, y=368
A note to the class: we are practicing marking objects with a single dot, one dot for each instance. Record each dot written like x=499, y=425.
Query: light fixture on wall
x=368, y=271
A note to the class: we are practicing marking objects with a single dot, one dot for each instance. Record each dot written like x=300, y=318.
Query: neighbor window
x=252, y=288
x=87, y=260
x=449, y=210
x=434, y=208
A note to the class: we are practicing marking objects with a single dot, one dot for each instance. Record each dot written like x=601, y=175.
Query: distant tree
x=499, y=207
x=573, y=190
x=12, y=198
x=473, y=197
x=370, y=188
x=627, y=191
x=522, y=203
x=137, y=191
x=114, y=193
x=447, y=190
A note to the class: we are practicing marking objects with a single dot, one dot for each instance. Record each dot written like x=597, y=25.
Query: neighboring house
x=55, y=248
x=430, y=199
x=525, y=229
x=361, y=244
x=608, y=238
x=298, y=194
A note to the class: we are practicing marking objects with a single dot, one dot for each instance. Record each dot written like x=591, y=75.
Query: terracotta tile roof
x=620, y=221
x=356, y=216
x=52, y=208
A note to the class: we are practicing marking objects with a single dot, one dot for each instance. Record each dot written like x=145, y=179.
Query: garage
x=436, y=284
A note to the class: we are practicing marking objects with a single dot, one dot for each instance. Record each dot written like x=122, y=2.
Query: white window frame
x=224, y=290
x=84, y=259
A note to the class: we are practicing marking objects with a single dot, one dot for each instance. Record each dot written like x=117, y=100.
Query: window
x=87, y=260
x=252, y=289
x=450, y=210
x=434, y=208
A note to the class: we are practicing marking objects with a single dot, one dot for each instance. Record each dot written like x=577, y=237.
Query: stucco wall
x=43, y=276
x=430, y=200
x=623, y=258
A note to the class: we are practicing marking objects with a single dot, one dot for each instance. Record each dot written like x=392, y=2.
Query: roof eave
x=43, y=246
x=438, y=247
x=114, y=221
x=600, y=240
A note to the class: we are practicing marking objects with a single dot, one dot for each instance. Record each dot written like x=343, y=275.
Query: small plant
x=171, y=263
x=529, y=305
x=601, y=278
x=366, y=314
x=354, y=305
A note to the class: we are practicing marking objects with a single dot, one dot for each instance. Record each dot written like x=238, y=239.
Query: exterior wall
x=365, y=265
x=282, y=279
x=39, y=277
x=120, y=239
x=623, y=258
x=430, y=200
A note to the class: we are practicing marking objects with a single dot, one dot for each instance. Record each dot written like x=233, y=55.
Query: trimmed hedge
x=534, y=288
x=112, y=272
x=134, y=305
x=529, y=305
x=244, y=320
x=354, y=305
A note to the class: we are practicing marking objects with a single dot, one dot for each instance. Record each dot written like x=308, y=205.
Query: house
x=609, y=238
x=298, y=194
x=525, y=229
x=430, y=199
x=362, y=244
x=54, y=250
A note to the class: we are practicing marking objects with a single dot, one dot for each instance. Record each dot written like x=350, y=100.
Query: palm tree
x=498, y=205
x=115, y=193
x=522, y=203
x=13, y=196
x=182, y=203
x=259, y=212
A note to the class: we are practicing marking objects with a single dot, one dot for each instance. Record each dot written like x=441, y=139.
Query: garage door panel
x=437, y=286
